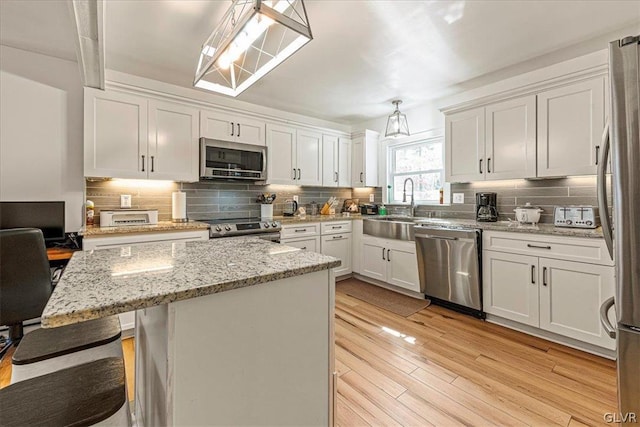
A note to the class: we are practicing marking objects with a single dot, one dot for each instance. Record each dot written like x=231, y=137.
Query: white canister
x=266, y=211
x=528, y=214
x=179, y=206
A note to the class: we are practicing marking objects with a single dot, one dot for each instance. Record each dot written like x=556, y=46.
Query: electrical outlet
x=295, y=199
x=458, y=197
x=372, y=197
x=125, y=201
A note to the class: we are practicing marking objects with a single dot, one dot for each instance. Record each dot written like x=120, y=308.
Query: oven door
x=230, y=160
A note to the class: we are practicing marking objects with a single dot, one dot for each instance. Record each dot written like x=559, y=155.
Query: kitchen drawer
x=301, y=230
x=311, y=244
x=588, y=250
x=334, y=227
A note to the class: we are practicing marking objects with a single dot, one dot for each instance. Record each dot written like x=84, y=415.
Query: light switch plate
x=295, y=199
x=372, y=197
x=458, y=197
x=125, y=201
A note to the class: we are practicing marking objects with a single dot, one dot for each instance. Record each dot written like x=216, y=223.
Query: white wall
x=425, y=118
x=41, y=148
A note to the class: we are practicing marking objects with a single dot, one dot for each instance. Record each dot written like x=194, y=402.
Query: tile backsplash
x=212, y=199
x=216, y=199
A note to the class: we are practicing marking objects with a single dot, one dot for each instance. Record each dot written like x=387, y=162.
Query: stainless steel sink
x=388, y=227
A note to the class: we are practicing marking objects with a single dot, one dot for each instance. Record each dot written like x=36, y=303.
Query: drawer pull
x=529, y=245
x=336, y=227
x=338, y=237
x=544, y=276
x=533, y=274
x=303, y=248
x=300, y=230
x=383, y=249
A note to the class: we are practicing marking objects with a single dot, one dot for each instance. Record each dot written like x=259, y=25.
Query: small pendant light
x=397, y=123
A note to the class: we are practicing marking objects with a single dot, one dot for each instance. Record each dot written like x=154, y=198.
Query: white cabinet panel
x=309, y=158
x=281, y=154
x=570, y=125
x=374, y=262
x=339, y=246
x=294, y=231
x=570, y=298
x=215, y=126
x=510, y=286
x=464, y=146
x=250, y=131
x=402, y=269
x=234, y=128
x=115, y=135
x=329, y=161
x=510, y=143
x=364, y=163
x=356, y=250
x=173, y=142
x=344, y=162
x=308, y=243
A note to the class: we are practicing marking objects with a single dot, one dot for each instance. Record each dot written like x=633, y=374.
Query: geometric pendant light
x=253, y=37
x=397, y=123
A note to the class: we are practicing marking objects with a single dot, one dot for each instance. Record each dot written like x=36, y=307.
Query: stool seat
x=43, y=344
x=81, y=395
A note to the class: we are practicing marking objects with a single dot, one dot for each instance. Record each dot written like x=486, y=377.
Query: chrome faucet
x=404, y=194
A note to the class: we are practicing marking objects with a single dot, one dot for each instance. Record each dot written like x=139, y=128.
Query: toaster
x=369, y=209
x=576, y=216
x=128, y=217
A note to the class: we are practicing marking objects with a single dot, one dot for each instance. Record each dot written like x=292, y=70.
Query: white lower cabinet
x=547, y=292
x=339, y=246
x=390, y=261
x=306, y=244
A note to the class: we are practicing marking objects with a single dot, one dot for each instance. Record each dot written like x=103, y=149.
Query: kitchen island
x=228, y=331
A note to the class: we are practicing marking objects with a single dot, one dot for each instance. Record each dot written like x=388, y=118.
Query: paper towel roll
x=179, y=206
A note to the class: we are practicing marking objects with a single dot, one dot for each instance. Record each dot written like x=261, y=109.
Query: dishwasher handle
x=430, y=236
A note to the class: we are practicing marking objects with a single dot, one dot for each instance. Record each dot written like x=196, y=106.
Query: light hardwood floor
x=438, y=367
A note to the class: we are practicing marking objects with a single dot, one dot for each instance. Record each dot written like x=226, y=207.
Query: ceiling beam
x=87, y=17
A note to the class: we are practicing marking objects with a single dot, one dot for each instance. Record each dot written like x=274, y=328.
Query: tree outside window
x=421, y=161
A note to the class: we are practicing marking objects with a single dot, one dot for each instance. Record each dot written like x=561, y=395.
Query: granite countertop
x=284, y=220
x=105, y=282
x=513, y=226
x=161, y=226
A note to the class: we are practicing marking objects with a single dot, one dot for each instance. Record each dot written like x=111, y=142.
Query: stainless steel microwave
x=232, y=160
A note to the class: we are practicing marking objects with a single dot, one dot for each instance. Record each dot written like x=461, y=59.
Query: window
x=421, y=161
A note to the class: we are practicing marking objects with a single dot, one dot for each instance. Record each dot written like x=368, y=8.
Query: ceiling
x=364, y=53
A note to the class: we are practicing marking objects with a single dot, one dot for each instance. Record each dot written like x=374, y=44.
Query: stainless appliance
x=231, y=160
x=449, y=267
x=232, y=227
x=623, y=240
x=368, y=209
x=486, y=207
x=128, y=217
x=290, y=207
x=576, y=216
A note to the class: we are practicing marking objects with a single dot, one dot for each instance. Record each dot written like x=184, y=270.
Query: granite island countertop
x=105, y=282
x=512, y=226
x=161, y=226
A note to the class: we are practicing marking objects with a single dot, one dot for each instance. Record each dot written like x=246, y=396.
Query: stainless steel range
x=232, y=227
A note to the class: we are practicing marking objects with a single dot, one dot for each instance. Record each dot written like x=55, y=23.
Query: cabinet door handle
x=544, y=276
x=533, y=274
x=597, y=154
x=238, y=129
x=383, y=250
x=529, y=245
x=480, y=165
x=361, y=177
x=303, y=248
x=489, y=165
x=335, y=179
x=143, y=163
x=152, y=163
x=232, y=128
x=294, y=174
x=299, y=174
x=388, y=254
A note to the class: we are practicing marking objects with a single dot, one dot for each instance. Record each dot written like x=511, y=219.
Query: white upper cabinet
x=235, y=128
x=464, y=146
x=336, y=161
x=294, y=156
x=115, y=134
x=364, y=163
x=570, y=124
x=129, y=136
x=173, y=142
x=510, y=142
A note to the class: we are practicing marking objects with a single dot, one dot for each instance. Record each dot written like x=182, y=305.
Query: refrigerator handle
x=602, y=191
x=604, y=318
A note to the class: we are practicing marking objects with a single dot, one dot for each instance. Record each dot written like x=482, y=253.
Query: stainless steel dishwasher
x=449, y=267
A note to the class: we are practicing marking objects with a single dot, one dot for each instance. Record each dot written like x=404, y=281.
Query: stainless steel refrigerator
x=623, y=236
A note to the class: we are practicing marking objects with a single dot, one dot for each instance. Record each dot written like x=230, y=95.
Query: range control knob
x=569, y=222
x=274, y=224
x=218, y=228
x=266, y=225
x=226, y=227
x=589, y=223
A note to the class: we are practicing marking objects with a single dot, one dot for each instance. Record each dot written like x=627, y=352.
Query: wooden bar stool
x=89, y=394
x=47, y=350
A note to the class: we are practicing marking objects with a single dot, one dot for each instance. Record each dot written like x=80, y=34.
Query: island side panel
x=259, y=355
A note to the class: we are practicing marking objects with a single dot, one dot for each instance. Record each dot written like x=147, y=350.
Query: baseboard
x=394, y=288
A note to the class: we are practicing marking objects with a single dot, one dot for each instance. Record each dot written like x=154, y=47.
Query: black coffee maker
x=486, y=207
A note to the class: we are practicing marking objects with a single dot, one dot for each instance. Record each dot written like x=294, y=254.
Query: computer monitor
x=47, y=216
